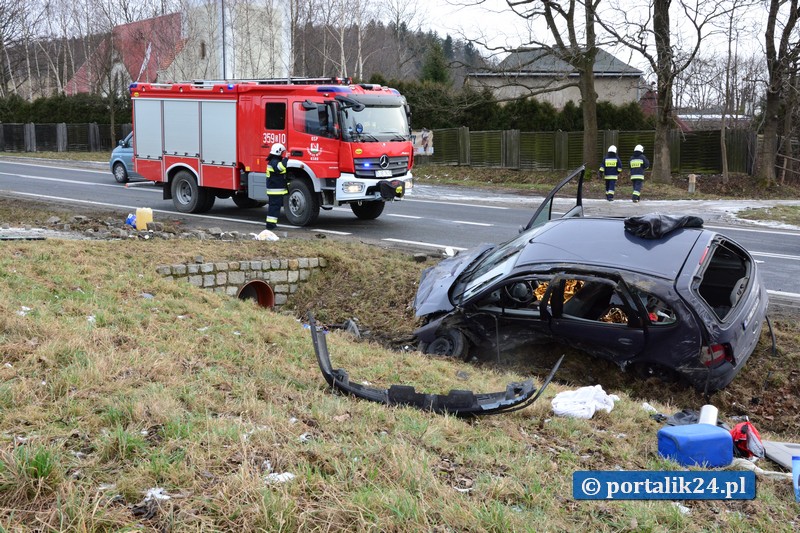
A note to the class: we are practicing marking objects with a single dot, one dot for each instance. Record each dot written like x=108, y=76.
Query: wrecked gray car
x=672, y=301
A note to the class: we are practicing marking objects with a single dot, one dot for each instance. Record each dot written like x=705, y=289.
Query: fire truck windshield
x=375, y=124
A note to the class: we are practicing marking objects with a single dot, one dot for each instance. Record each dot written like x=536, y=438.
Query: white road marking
x=426, y=244
x=776, y=256
x=473, y=223
x=73, y=182
x=792, y=295
x=770, y=231
x=332, y=231
x=455, y=203
x=402, y=216
x=171, y=213
x=39, y=165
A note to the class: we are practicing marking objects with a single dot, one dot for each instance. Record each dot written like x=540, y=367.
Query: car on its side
x=121, y=161
x=687, y=303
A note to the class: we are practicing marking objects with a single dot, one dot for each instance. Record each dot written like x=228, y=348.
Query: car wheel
x=245, y=202
x=187, y=196
x=450, y=343
x=120, y=173
x=301, y=205
x=367, y=210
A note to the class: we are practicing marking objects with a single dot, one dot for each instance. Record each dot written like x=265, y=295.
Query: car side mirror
x=121, y=142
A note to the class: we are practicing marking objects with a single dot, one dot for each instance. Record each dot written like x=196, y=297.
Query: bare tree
x=571, y=38
x=404, y=18
x=299, y=16
x=649, y=31
x=579, y=50
x=734, y=29
x=361, y=14
x=782, y=53
x=14, y=17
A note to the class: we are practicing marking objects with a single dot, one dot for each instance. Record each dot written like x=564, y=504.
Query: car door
x=596, y=314
x=544, y=212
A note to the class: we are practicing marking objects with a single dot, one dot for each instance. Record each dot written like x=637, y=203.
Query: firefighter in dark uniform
x=610, y=170
x=276, y=183
x=639, y=163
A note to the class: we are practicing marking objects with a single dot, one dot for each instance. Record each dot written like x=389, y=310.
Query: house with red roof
x=204, y=42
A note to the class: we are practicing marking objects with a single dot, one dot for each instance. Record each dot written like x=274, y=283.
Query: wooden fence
x=697, y=152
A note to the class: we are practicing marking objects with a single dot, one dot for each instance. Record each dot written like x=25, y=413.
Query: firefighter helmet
x=639, y=148
x=277, y=149
x=612, y=149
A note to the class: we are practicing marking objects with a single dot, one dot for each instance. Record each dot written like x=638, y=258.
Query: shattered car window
x=490, y=267
x=595, y=300
x=658, y=312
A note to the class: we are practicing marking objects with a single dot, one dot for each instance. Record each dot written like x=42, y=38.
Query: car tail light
x=703, y=257
x=715, y=354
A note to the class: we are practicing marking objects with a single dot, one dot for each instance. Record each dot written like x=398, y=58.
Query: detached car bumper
x=456, y=402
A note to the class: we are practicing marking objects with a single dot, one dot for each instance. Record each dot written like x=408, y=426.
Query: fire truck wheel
x=367, y=210
x=120, y=174
x=186, y=195
x=206, y=202
x=245, y=202
x=301, y=205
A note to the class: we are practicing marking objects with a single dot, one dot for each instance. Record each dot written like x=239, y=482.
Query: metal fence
x=698, y=152
x=61, y=137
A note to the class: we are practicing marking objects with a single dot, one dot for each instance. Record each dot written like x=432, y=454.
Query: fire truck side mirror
x=348, y=103
x=308, y=105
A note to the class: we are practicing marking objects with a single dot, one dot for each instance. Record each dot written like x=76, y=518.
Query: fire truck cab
x=202, y=140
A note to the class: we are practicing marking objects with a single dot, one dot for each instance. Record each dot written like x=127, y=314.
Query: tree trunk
x=662, y=165
x=589, y=107
x=769, y=145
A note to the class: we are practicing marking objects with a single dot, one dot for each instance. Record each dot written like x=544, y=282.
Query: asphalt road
x=430, y=219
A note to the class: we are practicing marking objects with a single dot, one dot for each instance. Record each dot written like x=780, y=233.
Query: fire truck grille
x=370, y=167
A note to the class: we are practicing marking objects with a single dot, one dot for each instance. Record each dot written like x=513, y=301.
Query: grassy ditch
x=785, y=214
x=114, y=381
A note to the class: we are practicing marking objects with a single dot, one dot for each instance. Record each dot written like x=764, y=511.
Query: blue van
x=121, y=162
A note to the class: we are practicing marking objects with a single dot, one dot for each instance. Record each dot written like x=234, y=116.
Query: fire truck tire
x=186, y=195
x=367, y=210
x=245, y=202
x=301, y=205
x=207, y=199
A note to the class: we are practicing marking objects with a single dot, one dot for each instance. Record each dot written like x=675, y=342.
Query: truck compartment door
x=147, y=125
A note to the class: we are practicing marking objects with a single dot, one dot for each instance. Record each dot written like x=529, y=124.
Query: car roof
x=604, y=242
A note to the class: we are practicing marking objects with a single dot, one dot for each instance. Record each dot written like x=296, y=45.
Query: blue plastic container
x=696, y=445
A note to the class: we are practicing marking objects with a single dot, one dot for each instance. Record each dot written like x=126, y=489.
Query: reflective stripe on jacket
x=611, y=166
x=639, y=163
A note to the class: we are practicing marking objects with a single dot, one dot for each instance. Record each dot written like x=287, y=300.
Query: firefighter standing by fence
x=639, y=163
x=276, y=183
x=610, y=170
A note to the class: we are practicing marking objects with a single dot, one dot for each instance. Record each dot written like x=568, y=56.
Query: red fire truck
x=202, y=140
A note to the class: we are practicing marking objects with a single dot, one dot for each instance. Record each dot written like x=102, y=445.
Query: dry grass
x=105, y=394
x=786, y=214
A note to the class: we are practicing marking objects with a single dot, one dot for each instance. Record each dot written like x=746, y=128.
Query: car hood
x=435, y=282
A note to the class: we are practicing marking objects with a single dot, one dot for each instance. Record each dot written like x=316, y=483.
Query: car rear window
x=725, y=275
